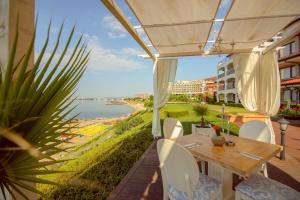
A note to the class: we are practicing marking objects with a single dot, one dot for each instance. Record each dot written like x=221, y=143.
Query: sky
x=114, y=69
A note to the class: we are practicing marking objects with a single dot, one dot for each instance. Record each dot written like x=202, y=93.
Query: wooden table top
x=231, y=157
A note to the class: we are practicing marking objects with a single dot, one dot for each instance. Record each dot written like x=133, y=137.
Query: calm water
x=98, y=108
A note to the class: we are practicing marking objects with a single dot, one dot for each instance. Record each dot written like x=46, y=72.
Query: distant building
x=289, y=66
x=194, y=87
x=226, y=86
x=142, y=95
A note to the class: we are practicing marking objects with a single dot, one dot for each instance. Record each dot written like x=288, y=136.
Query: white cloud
x=132, y=51
x=102, y=58
x=107, y=59
x=116, y=30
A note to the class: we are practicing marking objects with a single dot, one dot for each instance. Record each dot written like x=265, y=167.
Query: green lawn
x=213, y=116
x=98, y=166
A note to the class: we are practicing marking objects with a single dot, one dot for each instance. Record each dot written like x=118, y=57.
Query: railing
x=230, y=71
x=226, y=59
x=221, y=88
x=221, y=75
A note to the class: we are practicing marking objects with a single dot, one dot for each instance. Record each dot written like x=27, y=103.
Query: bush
x=177, y=113
x=125, y=125
x=148, y=103
x=200, y=109
x=179, y=98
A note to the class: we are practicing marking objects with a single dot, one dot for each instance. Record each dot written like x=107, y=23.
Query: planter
x=291, y=117
x=218, y=140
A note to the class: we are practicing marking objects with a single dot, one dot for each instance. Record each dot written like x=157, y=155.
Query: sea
x=100, y=108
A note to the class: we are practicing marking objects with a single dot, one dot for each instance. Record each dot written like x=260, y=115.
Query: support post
x=9, y=12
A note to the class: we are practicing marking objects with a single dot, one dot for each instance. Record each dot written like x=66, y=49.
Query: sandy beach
x=88, y=129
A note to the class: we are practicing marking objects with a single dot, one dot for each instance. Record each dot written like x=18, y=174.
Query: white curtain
x=164, y=72
x=258, y=83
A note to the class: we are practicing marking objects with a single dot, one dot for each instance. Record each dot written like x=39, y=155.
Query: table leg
x=224, y=176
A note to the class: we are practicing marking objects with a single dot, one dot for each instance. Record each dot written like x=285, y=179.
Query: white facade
x=188, y=87
x=191, y=87
x=226, y=86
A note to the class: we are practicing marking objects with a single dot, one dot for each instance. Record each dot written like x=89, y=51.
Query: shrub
x=125, y=125
x=177, y=113
x=200, y=109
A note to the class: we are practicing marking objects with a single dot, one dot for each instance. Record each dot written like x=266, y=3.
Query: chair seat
x=260, y=188
x=206, y=189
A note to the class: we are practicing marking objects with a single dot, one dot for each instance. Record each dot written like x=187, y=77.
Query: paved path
x=292, y=138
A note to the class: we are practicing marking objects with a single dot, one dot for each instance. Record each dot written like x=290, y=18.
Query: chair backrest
x=172, y=128
x=256, y=130
x=178, y=166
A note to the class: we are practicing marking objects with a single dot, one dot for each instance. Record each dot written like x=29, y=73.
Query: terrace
x=239, y=28
x=202, y=28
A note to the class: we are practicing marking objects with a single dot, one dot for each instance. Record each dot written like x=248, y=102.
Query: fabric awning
x=179, y=28
x=176, y=26
x=249, y=23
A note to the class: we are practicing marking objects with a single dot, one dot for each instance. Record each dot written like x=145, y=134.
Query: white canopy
x=179, y=28
x=249, y=23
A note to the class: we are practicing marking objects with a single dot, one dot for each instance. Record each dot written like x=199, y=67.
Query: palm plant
x=201, y=109
x=34, y=103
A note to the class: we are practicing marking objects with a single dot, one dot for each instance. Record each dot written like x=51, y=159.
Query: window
x=286, y=95
x=288, y=49
x=285, y=73
x=295, y=71
x=295, y=96
x=293, y=47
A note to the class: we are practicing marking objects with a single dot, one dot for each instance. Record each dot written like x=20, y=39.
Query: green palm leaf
x=35, y=101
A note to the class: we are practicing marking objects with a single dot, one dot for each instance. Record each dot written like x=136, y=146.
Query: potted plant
x=202, y=110
x=218, y=139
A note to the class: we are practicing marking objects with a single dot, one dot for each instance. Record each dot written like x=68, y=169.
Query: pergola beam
x=286, y=36
x=117, y=12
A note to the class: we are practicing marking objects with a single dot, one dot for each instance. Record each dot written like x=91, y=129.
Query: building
x=289, y=66
x=188, y=87
x=142, y=95
x=226, y=88
x=194, y=87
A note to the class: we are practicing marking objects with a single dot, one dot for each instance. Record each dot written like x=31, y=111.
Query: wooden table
x=225, y=160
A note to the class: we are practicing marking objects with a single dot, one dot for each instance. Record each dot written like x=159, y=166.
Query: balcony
x=230, y=71
x=221, y=88
x=230, y=86
x=226, y=59
x=221, y=75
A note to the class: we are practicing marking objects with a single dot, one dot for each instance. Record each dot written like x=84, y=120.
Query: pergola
x=248, y=30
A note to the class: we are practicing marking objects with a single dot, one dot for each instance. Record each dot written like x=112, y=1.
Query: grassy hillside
x=96, y=171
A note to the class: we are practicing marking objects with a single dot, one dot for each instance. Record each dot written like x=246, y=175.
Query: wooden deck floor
x=144, y=181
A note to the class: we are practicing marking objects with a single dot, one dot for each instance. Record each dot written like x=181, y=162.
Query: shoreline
x=105, y=120
x=89, y=129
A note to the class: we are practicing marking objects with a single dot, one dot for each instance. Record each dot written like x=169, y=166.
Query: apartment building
x=226, y=87
x=194, y=87
x=289, y=66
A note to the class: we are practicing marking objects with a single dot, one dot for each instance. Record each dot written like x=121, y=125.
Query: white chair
x=259, y=131
x=172, y=128
x=256, y=130
x=181, y=177
x=258, y=187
